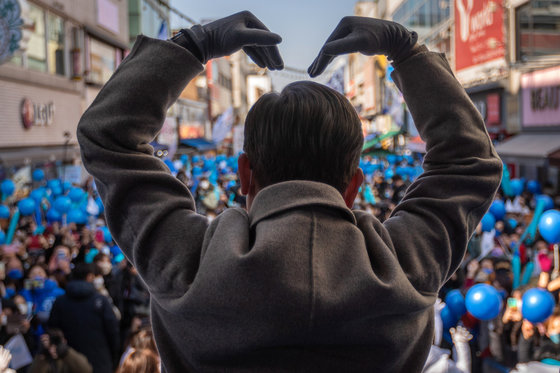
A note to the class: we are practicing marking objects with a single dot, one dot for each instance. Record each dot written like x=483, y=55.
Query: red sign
x=493, y=109
x=479, y=34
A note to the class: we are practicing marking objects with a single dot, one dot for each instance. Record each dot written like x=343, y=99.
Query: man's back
x=300, y=283
x=88, y=323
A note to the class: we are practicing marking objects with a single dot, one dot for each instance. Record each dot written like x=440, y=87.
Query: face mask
x=105, y=268
x=204, y=184
x=15, y=274
x=487, y=270
x=22, y=307
x=98, y=283
x=555, y=338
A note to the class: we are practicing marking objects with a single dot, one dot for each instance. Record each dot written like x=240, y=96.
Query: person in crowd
x=56, y=356
x=87, y=320
x=140, y=361
x=219, y=292
x=40, y=292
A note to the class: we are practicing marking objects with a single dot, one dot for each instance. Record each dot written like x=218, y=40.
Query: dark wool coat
x=300, y=283
x=89, y=325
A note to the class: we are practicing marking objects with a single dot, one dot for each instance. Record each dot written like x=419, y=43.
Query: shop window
x=103, y=61
x=538, y=29
x=55, y=44
x=36, y=47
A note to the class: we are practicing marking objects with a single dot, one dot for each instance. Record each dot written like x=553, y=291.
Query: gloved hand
x=227, y=35
x=368, y=36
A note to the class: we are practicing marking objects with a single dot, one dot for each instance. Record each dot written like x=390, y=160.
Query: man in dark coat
x=299, y=282
x=87, y=320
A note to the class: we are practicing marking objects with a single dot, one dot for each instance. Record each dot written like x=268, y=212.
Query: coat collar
x=289, y=195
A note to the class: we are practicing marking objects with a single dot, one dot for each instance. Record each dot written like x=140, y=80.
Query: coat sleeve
x=432, y=225
x=111, y=327
x=151, y=214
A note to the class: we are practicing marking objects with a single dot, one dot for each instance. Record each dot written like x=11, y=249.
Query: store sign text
x=545, y=98
x=36, y=114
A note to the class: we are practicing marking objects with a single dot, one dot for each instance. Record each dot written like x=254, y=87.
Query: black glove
x=368, y=36
x=227, y=35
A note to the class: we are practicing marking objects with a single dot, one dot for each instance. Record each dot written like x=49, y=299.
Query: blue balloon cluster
x=7, y=187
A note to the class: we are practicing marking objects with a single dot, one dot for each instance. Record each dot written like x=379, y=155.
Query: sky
x=303, y=24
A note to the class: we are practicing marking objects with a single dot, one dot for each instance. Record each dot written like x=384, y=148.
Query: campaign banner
x=479, y=32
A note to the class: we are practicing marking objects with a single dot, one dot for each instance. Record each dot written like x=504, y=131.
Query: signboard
x=540, y=96
x=10, y=28
x=479, y=34
x=35, y=114
x=489, y=106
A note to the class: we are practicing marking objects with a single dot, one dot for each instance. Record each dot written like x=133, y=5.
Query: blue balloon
x=7, y=187
x=2, y=237
x=196, y=171
x=389, y=173
x=62, y=204
x=512, y=223
x=483, y=302
x=4, y=212
x=392, y=159
x=54, y=216
x=184, y=158
x=26, y=206
x=76, y=216
x=448, y=318
x=76, y=194
x=498, y=209
x=38, y=194
x=54, y=183
x=66, y=186
x=488, y=222
x=38, y=175
x=538, y=305
x=516, y=186
x=549, y=226
x=456, y=303
x=195, y=159
x=546, y=200
x=534, y=186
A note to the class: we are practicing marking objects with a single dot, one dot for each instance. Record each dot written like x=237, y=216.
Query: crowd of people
x=71, y=301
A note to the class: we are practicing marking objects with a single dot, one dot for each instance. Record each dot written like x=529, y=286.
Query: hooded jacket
x=89, y=325
x=299, y=283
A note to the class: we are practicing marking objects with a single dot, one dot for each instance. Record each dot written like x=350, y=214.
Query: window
x=55, y=45
x=36, y=47
x=538, y=29
x=45, y=49
x=103, y=60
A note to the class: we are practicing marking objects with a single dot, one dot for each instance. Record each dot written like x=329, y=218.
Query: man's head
x=306, y=132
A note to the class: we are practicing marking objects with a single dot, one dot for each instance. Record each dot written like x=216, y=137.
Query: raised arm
x=431, y=226
x=151, y=214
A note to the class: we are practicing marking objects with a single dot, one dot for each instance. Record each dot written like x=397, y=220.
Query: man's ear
x=245, y=173
x=352, y=189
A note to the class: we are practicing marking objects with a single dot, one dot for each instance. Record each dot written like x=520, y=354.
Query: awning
x=380, y=138
x=530, y=145
x=38, y=154
x=199, y=143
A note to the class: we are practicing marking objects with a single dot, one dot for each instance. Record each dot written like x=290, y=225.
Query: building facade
x=71, y=48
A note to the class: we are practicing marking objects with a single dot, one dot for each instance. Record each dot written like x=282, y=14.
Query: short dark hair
x=82, y=270
x=307, y=132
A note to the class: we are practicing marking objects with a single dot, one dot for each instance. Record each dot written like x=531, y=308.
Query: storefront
x=534, y=152
x=38, y=126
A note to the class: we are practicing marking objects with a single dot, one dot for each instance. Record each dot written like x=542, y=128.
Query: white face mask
x=204, y=184
x=98, y=283
x=22, y=307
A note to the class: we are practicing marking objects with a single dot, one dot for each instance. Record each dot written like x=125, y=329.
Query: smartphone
x=512, y=303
